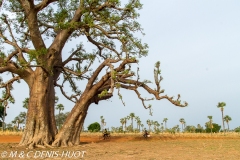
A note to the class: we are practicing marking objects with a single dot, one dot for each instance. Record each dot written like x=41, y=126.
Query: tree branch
x=65, y=95
x=8, y=86
x=43, y=4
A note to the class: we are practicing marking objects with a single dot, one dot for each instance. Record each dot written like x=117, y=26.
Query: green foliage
x=20, y=119
x=147, y=81
x=227, y=118
x=2, y=112
x=2, y=55
x=237, y=129
x=34, y=54
x=94, y=127
x=25, y=103
x=103, y=93
x=199, y=129
x=221, y=105
x=9, y=127
x=190, y=129
x=60, y=118
x=174, y=130
x=216, y=128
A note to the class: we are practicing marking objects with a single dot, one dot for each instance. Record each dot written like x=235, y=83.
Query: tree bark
x=69, y=134
x=223, y=121
x=40, y=125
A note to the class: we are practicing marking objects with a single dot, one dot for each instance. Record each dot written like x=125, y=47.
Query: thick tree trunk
x=70, y=132
x=40, y=127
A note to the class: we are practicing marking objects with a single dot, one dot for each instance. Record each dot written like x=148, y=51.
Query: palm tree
x=102, y=122
x=162, y=128
x=156, y=125
x=221, y=105
x=122, y=121
x=182, y=121
x=23, y=116
x=227, y=118
x=125, y=122
x=142, y=126
x=132, y=115
x=210, y=123
x=152, y=123
x=137, y=119
x=149, y=124
x=59, y=107
x=165, y=121
x=138, y=122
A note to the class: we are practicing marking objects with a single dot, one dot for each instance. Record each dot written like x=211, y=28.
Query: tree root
x=33, y=145
x=62, y=143
x=47, y=145
x=40, y=146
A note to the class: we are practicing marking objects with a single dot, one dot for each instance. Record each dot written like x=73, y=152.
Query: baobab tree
x=32, y=42
x=221, y=105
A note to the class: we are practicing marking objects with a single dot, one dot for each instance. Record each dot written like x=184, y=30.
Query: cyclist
x=145, y=133
x=105, y=133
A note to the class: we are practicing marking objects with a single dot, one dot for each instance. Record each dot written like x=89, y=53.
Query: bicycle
x=105, y=137
x=146, y=135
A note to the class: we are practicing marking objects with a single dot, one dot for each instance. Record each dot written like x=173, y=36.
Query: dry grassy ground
x=133, y=146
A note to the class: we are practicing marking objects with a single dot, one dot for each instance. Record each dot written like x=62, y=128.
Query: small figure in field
x=145, y=134
x=105, y=133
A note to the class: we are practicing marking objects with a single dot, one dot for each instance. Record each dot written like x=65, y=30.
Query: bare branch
x=31, y=15
x=77, y=73
x=70, y=58
x=8, y=86
x=98, y=70
x=100, y=46
x=43, y=4
x=71, y=98
x=151, y=91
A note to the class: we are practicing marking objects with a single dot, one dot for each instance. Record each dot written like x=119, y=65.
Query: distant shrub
x=94, y=127
x=237, y=129
x=216, y=128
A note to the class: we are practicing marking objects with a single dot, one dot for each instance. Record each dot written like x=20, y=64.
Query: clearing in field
x=134, y=146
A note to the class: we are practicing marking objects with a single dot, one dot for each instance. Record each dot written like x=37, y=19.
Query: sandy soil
x=132, y=147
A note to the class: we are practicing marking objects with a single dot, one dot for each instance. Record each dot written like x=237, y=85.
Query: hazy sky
x=197, y=43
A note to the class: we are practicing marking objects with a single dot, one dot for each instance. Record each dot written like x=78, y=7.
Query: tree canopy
x=33, y=43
